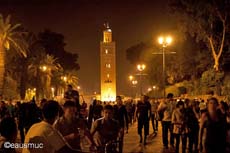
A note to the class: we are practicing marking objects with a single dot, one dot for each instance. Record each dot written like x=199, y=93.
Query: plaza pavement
x=154, y=142
x=131, y=142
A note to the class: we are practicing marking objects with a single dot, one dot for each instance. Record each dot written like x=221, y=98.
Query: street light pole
x=154, y=91
x=141, y=68
x=163, y=77
x=164, y=42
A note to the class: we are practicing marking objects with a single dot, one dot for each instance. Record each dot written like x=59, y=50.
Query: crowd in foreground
x=201, y=126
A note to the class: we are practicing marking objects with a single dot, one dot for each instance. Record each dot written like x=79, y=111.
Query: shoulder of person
x=123, y=106
x=75, y=91
x=204, y=116
x=99, y=121
x=115, y=123
x=58, y=122
x=2, y=141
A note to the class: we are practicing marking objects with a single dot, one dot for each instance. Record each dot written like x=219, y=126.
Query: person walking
x=154, y=119
x=216, y=129
x=167, y=107
x=143, y=113
x=120, y=114
x=179, y=123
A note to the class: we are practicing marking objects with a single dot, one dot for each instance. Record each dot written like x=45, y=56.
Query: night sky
x=81, y=22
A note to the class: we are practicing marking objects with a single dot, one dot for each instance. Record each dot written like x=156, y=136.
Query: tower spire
x=107, y=33
x=106, y=25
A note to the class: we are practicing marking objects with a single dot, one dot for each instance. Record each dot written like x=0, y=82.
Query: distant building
x=108, y=66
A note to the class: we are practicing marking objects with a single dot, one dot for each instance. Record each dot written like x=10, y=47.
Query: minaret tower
x=108, y=66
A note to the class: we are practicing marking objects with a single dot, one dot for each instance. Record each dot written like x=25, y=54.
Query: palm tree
x=9, y=36
x=42, y=68
x=71, y=77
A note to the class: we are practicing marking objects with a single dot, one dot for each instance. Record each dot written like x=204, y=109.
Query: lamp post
x=134, y=83
x=154, y=91
x=131, y=78
x=45, y=81
x=164, y=41
x=141, y=68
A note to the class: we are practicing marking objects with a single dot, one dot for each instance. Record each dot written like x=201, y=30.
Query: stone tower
x=108, y=66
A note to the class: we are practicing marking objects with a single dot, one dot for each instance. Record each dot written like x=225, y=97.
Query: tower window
x=106, y=51
x=108, y=66
x=107, y=75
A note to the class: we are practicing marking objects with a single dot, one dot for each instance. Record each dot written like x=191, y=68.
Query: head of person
x=43, y=101
x=50, y=111
x=224, y=106
x=2, y=104
x=180, y=104
x=108, y=112
x=119, y=100
x=69, y=87
x=70, y=109
x=212, y=104
x=94, y=102
x=8, y=129
x=144, y=98
x=170, y=96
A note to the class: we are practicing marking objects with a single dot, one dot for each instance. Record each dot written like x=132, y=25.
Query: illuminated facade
x=108, y=66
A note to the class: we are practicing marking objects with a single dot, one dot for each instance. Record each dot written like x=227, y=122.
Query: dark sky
x=81, y=22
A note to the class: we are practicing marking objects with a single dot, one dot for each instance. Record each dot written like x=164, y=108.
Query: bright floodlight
x=160, y=40
x=141, y=67
x=44, y=68
x=149, y=89
x=130, y=77
x=168, y=40
x=134, y=82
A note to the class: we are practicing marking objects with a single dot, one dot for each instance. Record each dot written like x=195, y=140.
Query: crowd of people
x=201, y=126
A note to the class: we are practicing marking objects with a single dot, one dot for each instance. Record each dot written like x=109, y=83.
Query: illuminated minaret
x=108, y=66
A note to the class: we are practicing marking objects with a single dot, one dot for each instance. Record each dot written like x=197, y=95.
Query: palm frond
x=19, y=48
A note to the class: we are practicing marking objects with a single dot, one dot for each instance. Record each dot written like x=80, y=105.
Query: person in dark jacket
x=121, y=115
x=216, y=129
x=8, y=131
x=143, y=113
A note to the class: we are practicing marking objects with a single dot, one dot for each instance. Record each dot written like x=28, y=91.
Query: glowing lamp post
x=164, y=41
x=141, y=68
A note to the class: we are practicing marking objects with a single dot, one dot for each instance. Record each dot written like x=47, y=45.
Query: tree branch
x=222, y=41
x=212, y=47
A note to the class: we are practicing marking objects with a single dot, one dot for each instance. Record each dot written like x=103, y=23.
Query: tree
x=206, y=20
x=54, y=45
x=9, y=36
x=51, y=63
x=18, y=66
x=212, y=81
x=42, y=67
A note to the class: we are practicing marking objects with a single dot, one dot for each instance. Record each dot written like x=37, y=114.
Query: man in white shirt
x=167, y=107
x=43, y=137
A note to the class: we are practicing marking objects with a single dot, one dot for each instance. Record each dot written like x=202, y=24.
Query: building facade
x=108, y=66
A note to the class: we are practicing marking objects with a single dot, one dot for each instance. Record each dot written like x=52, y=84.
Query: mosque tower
x=108, y=66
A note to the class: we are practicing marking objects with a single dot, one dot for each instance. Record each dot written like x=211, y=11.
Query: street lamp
x=52, y=92
x=154, y=91
x=134, y=83
x=43, y=68
x=141, y=68
x=149, y=89
x=131, y=78
x=164, y=41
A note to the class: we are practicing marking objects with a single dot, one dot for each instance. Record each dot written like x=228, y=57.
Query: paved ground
x=132, y=145
x=154, y=142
